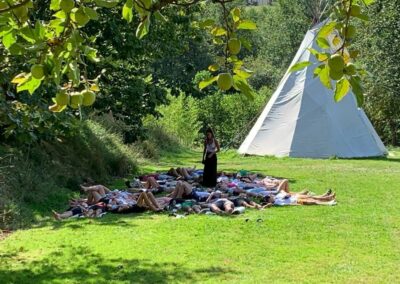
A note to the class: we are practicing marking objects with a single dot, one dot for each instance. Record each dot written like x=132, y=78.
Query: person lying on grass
x=183, y=173
x=83, y=210
x=152, y=185
x=243, y=200
x=284, y=198
x=95, y=192
x=122, y=201
x=185, y=190
x=222, y=206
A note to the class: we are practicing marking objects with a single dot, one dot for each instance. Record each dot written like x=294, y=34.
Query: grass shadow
x=81, y=265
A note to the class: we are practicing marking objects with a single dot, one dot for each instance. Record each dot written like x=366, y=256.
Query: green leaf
x=91, y=13
x=246, y=44
x=145, y=3
x=324, y=77
x=20, y=78
x=5, y=30
x=218, y=31
x=9, y=39
x=342, y=88
x=318, y=70
x=74, y=73
x=127, y=11
x=322, y=56
x=29, y=85
x=91, y=54
x=57, y=25
x=28, y=34
x=357, y=90
x=313, y=51
x=206, y=83
x=326, y=30
x=236, y=14
x=363, y=17
x=143, y=28
x=299, y=66
x=218, y=41
x=323, y=43
x=17, y=49
x=246, y=25
x=39, y=31
x=60, y=15
x=241, y=84
x=207, y=23
x=213, y=67
x=4, y=19
x=368, y=2
x=107, y=3
x=160, y=16
x=80, y=17
x=242, y=73
x=55, y=5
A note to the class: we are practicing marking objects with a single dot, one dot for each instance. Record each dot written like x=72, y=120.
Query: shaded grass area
x=356, y=241
x=37, y=178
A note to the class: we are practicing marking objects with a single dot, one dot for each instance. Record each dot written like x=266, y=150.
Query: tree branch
x=12, y=7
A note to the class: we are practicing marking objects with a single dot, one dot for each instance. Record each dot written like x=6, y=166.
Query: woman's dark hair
x=209, y=130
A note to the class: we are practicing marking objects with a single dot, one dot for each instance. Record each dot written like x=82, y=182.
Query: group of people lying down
x=179, y=189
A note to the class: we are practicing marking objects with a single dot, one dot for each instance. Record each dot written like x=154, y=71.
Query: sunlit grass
x=354, y=242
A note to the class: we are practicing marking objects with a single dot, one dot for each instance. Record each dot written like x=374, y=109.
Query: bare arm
x=217, y=145
x=210, y=197
x=204, y=152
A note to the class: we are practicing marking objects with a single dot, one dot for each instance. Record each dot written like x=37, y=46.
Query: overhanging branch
x=11, y=7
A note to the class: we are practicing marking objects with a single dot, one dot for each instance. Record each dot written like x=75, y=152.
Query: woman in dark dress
x=211, y=147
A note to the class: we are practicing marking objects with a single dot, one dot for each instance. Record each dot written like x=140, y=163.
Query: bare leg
x=313, y=202
x=153, y=200
x=151, y=183
x=284, y=186
x=90, y=198
x=60, y=216
x=144, y=201
x=187, y=188
x=98, y=188
x=173, y=172
x=184, y=173
x=95, y=197
x=317, y=198
x=268, y=205
x=178, y=191
x=252, y=204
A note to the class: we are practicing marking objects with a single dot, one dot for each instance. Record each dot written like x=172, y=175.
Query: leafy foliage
x=336, y=37
x=230, y=115
x=378, y=40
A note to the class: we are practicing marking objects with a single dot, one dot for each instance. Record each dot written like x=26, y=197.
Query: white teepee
x=302, y=120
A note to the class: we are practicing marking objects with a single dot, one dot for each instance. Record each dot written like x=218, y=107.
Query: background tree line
x=136, y=75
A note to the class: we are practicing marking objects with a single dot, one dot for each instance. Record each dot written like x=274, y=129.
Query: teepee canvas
x=302, y=119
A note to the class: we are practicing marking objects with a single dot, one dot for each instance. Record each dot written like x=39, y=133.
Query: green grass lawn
x=357, y=241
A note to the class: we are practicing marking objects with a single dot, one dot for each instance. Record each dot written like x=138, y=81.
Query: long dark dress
x=210, y=171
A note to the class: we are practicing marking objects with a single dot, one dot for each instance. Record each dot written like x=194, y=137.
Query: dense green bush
x=179, y=119
x=186, y=118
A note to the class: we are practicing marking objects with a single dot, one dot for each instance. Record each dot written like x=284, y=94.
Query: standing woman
x=211, y=147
